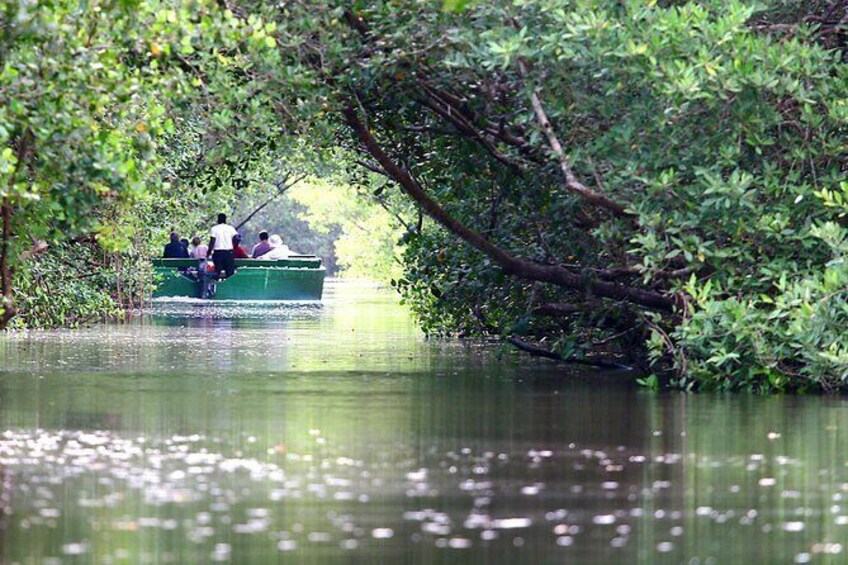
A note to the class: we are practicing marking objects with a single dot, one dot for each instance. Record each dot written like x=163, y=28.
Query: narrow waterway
x=256, y=433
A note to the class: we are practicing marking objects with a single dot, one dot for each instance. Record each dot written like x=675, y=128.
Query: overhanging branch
x=571, y=181
x=518, y=267
x=282, y=187
x=537, y=351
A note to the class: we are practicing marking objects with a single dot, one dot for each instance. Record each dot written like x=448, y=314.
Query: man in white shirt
x=221, y=246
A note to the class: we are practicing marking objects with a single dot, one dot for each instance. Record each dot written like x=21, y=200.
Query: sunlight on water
x=249, y=433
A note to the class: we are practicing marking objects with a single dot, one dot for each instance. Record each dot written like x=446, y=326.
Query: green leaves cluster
x=74, y=285
x=108, y=114
x=718, y=125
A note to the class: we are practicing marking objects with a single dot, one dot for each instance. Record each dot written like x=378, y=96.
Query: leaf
x=456, y=6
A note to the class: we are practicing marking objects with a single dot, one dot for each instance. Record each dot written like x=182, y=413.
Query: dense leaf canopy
x=633, y=177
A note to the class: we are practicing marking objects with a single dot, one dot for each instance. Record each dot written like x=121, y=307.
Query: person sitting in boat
x=174, y=249
x=262, y=247
x=221, y=246
x=199, y=251
x=239, y=252
x=279, y=250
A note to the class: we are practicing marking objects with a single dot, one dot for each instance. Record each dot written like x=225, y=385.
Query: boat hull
x=296, y=278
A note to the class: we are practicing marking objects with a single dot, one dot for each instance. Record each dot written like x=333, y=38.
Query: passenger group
x=225, y=246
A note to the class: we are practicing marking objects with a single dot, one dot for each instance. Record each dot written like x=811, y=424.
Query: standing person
x=263, y=246
x=221, y=246
x=175, y=249
x=239, y=252
x=199, y=251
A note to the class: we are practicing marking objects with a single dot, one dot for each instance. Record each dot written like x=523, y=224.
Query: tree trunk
x=7, y=301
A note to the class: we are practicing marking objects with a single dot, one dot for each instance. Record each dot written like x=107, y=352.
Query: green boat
x=299, y=277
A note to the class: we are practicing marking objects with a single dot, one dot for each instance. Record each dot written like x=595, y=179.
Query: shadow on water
x=311, y=432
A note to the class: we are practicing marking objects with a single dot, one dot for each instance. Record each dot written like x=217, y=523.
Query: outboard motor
x=207, y=282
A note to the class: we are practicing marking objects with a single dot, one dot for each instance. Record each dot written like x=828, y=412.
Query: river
x=255, y=433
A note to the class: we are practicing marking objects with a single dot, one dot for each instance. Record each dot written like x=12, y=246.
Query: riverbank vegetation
x=658, y=182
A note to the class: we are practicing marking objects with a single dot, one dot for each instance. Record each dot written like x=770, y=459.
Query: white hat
x=275, y=240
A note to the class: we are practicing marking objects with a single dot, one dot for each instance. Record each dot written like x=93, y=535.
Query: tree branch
x=385, y=206
x=571, y=181
x=548, y=354
x=371, y=167
x=356, y=23
x=445, y=110
x=281, y=189
x=503, y=133
x=512, y=265
x=558, y=309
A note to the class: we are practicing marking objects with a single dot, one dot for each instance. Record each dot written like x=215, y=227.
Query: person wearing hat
x=279, y=250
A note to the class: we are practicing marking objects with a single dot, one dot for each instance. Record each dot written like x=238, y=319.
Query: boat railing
x=293, y=261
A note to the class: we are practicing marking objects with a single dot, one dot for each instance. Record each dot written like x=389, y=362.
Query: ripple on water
x=382, y=533
x=665, y=547
x=78, y=548
x=511, y=523
x=287, y=545
x=190, y=471
x=459, y=543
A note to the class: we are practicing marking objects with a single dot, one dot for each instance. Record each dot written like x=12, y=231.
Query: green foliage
x=103, y=135
x=69, y=286
x=366, y=238
x=791, y=338
x=347, y=225
x=718, y=125
x=651, y=382
x=457, y=5
x=67, y=145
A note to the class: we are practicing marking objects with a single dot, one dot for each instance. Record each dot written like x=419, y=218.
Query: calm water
x=319, y=433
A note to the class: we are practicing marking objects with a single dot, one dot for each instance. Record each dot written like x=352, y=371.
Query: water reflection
x=337, y=432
